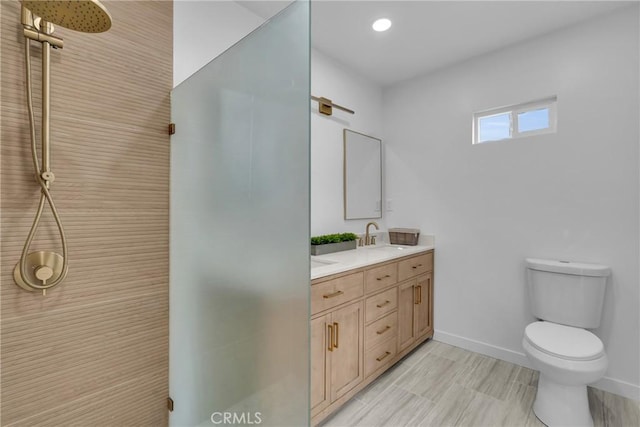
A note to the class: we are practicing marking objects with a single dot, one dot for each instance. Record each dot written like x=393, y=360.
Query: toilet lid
x=563, y=341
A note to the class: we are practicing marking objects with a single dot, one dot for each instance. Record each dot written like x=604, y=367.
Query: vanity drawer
x=381, y=277
x=381, y=330
x=381, y=304
x=379, y=356
x=334, y=292
x=414, y=266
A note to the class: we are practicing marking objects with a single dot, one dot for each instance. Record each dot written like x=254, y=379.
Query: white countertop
x=338, y=262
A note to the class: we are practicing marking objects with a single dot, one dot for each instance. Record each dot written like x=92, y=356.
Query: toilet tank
x=569, y=293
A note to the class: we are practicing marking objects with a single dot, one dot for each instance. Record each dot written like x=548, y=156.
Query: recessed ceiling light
x=382, y=24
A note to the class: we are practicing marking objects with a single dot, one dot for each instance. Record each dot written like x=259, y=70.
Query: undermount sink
x=388, y=248
x=315, y=263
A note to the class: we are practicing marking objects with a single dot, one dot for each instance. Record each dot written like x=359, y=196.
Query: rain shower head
x=88, y=16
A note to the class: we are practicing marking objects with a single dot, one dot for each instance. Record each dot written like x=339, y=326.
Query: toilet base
x=562, y=405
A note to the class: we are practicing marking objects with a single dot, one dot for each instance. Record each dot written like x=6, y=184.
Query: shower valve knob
x=43, y=273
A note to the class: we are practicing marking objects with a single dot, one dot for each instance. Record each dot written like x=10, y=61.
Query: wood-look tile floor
x=440, y=385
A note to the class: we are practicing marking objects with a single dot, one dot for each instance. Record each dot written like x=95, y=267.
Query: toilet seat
x=565, y=342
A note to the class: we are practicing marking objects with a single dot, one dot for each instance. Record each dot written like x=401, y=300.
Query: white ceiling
x=427, y=35
x=264, y=8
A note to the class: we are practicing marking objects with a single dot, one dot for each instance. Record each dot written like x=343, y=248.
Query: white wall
x=332, y=80
x=572, y=195
x=203, y=29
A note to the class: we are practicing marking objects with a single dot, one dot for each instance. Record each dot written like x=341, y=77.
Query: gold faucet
x=367, y=238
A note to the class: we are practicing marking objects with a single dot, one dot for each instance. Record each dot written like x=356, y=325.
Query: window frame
x=513, y=111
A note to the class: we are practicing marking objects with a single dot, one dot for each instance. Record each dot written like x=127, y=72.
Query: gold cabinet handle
x=416, y=266
x=337, y=330
x=333, y=295
x=386, y=353
x=420, y=294
x=330, y=329
x=387, y=302
x=415, y=295
x=383, y=277
x=382, y=331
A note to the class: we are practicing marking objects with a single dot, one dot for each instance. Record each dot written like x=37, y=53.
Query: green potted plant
x=329, y=243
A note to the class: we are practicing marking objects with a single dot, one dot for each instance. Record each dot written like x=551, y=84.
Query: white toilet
x=567, y=297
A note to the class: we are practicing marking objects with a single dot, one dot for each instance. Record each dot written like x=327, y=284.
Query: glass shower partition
x=239, y=290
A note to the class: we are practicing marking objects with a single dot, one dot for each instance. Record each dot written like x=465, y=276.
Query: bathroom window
x=515, y=121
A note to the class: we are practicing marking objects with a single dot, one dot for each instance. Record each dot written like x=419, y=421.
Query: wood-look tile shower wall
x=94, y=351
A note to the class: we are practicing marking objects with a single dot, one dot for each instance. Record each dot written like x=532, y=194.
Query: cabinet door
x=422, y=304
x=406, y=323
x=319, y=363
x=347, y=358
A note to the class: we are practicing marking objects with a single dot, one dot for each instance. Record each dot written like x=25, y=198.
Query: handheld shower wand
x=42, y=270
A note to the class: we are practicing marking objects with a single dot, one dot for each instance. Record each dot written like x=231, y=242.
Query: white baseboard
x=611, y=385
x=618, y=387
x=482, y=348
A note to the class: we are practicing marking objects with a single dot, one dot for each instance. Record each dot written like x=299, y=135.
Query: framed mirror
x=362, y=176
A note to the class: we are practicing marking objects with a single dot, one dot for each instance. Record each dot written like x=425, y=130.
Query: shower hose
x=44, y=179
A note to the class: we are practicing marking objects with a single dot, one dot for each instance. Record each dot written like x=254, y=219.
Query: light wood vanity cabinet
x=415, y=266
x=381, y=277
x=381, y=330
x=363, y=321
x=337, y=341
x=337, y=291
x=346, y=349
x=320, y=363
x=378, y=305
x=414, y=314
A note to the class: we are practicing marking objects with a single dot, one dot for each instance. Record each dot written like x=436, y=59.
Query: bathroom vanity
x=369, y=308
